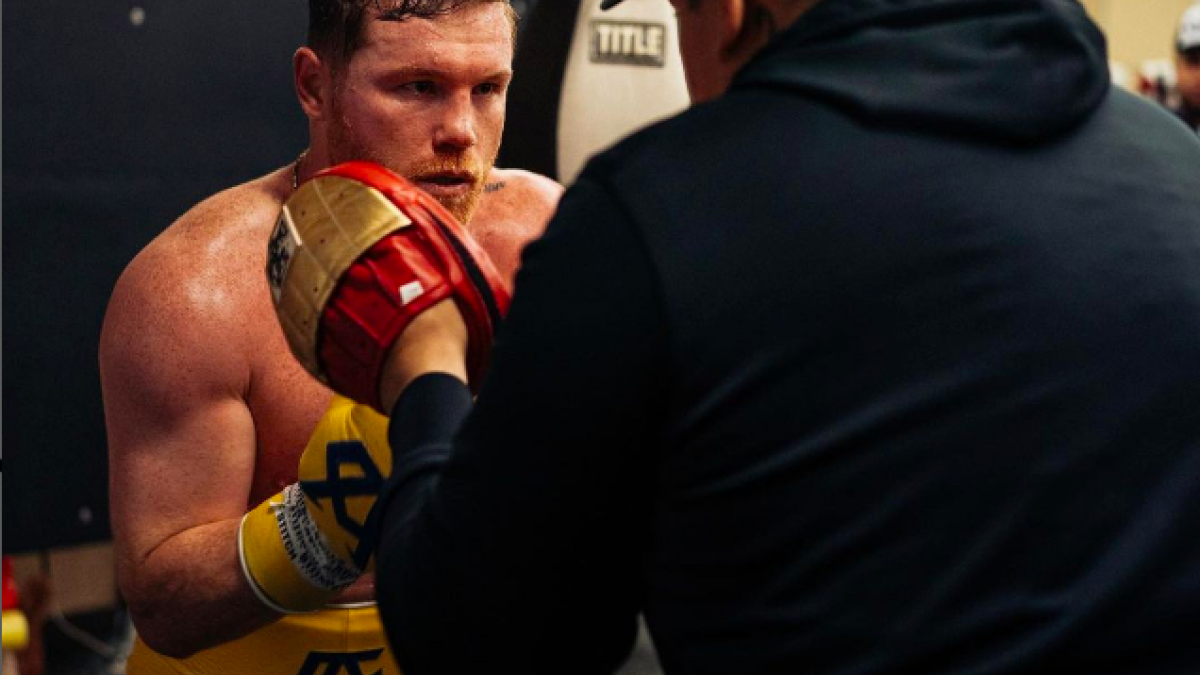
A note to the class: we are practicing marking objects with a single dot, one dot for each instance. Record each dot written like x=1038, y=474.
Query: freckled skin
x=208, y=412
x=206, y=409
x=513, y=214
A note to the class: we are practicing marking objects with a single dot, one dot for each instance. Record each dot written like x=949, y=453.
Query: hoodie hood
x=1021, y=70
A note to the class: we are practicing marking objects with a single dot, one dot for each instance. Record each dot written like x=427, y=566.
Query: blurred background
x=118, y=116
x=1141, y=36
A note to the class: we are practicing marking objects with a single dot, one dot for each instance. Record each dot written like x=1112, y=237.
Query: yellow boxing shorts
x=332, y=641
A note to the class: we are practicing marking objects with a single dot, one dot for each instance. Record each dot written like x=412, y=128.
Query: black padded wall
x=531, y=128
x=117, y=117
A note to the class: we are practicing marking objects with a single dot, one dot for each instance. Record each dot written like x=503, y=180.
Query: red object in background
x=10, y=586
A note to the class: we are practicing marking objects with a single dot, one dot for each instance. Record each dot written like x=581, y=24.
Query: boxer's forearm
x=189, y=593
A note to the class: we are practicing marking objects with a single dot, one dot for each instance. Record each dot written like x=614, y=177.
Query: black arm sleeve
x=519, y=546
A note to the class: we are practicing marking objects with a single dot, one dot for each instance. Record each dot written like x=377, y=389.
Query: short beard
x=344, y=146
x=464, y=206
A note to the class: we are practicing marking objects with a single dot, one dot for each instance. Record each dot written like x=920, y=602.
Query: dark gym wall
x=117, y=117
x=531, y=130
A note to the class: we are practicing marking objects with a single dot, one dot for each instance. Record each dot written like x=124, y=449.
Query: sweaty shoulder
x=514, y=210
x=517, y=186
x=190, y=285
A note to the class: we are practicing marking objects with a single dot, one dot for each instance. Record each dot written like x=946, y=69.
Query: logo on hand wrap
x=363, y=479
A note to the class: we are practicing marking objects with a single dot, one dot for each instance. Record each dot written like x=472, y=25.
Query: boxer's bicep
x=181, y=440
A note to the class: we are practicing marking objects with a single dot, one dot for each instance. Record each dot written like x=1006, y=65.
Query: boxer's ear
x=313, y=82
x=747, y=25
x=733, y=14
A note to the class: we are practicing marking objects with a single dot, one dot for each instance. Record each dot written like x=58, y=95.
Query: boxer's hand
x=359, y=254
x=435, y=342
x=302, y=546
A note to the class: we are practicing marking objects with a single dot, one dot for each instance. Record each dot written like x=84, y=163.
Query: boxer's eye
x=422, y=87
x=489, y=88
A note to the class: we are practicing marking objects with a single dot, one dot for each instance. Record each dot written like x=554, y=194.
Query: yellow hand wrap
x=302, y=546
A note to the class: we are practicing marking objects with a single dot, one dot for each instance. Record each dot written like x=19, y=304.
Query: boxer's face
x=426, y=98
x=1187, y=71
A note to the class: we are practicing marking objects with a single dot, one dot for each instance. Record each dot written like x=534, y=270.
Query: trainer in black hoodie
x=886, y=361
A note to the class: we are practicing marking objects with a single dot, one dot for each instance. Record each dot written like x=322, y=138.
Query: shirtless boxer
x=207, y=411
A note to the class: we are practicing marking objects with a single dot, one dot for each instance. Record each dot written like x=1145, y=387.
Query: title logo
x=629, y=43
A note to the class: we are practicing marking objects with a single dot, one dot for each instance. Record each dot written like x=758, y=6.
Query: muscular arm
x=181, y=451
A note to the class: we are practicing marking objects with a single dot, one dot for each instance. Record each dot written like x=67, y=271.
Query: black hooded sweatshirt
x=887, y=361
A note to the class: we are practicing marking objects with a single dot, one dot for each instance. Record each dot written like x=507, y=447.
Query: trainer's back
x=935, y=370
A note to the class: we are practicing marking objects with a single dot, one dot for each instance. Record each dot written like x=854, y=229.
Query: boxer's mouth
x=446, y=183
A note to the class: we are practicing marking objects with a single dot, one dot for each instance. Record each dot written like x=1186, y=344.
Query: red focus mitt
x=357, y=253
